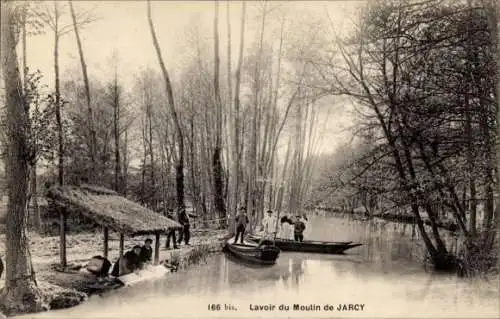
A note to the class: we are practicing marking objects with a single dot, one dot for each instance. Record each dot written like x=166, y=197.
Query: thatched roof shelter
x=107, y=208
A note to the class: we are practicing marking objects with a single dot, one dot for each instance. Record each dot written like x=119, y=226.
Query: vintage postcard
x=249, y=159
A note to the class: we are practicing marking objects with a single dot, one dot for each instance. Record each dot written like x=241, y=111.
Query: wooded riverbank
x=392, y=217
x=448, y=231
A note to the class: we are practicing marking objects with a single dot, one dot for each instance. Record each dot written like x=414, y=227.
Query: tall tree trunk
x=35, y=218
x=236, y=130
x=468, y=130
x=116, y=133
x=495, y=215
x=220, y=206
x=252, y=167
x=194, y=187
x=93, y=135
x=151, y=155
x=60, y=134
x=178, y=128
x=279, y=200
x=125, y=164
x=164, y=179
x=144, y=161
x=232, y=206
x=20, y=293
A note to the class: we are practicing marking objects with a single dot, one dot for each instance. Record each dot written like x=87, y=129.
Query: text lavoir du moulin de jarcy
x=309, y=307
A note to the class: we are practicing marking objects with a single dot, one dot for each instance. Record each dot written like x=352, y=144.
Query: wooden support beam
x=106, y=239
x=122, y=240
x=62, y=235
x=157, y=248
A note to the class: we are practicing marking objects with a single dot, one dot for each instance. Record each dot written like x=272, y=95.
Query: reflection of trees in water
x=386, y=243
x=456, y=291
x=224, y=271
x=238, y=273
x=284, y=278
x=420, y=293
x=344, y=265
x=296, y=271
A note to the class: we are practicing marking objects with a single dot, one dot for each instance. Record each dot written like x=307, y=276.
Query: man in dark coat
x=241, y=224
x=146, y=252
x=184, y=221
x=171, y=233
x=298, y=229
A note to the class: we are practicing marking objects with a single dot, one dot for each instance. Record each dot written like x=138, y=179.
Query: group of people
x=139, y=256
x=184, y=233
x=287, y=228
x=293, y=229
x=271, y=227
x=132, y=260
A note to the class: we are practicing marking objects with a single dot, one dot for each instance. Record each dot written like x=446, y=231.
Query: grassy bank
x=65, y=289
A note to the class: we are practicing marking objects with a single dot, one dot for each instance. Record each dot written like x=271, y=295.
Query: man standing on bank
x=241, y=224
x=184, y=221
x=171, y=233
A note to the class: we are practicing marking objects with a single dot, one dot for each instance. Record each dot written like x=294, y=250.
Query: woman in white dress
x=286, y=229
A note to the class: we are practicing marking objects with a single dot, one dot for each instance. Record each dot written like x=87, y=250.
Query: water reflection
x=296, y=271
x=383, y=274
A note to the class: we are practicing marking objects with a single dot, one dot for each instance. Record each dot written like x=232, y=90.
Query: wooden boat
x=309, y=246
x=248, y=252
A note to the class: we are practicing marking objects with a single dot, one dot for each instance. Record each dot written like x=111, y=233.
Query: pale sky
x=122, y=27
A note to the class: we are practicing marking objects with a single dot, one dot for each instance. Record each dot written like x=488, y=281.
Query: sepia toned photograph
x=249, y=159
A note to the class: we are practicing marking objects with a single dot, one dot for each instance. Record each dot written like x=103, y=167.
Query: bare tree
x=116, y=131
x=236, y=167
x=494, y=20
x=171, y=104
x=93, y=136
x=220, y=206
x=51, y=17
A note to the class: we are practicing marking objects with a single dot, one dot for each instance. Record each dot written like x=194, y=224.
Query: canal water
x=382, y=278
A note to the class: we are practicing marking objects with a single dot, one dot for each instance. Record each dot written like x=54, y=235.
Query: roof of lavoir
x=108, y=209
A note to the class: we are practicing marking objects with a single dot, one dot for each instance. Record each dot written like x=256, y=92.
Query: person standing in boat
x=185, y=232
x=298, y=229
x=305, y=220
x=241, y=224
x=286, y=228
x=269, y=224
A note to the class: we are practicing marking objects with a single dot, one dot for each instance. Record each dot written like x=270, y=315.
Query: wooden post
x=122, y=239
x=106, y=238
x=62, y=234
x=157, y=248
